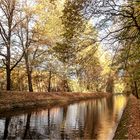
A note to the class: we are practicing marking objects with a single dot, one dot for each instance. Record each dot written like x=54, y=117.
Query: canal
x=90, y=119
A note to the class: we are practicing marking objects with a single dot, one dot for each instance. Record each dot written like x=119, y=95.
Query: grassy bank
x=18, y=100
x=129, y=126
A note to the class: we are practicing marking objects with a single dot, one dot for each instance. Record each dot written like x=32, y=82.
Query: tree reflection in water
x=92, y=119
x=7, y=121
x=27, y=128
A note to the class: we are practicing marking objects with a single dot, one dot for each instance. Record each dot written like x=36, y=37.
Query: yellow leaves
x=83, y=53
x=90, y=30
x=49, y=23
x=105, y=60
x=86, y=43
x=119, y=86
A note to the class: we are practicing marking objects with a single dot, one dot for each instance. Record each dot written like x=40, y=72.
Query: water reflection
x=93, y=119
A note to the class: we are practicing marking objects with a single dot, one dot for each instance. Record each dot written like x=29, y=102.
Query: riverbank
x=129, y=126
x=24, y=100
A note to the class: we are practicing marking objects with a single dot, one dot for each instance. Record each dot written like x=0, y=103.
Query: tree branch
x=17, y=61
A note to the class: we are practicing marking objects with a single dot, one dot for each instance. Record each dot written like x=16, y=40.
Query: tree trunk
x=49, y=81
x=65, y=85
x=8, y=78
x=29, y=73
x=110, y=85
x=8, y=71
x=136, y=89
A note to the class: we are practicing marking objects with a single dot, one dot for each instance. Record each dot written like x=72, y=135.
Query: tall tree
x=32, y=42
x=8, y=23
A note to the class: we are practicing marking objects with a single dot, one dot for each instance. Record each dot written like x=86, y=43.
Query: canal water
x=91, y=119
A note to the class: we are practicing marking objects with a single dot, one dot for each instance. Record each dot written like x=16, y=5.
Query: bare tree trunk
x=65, y=85
x=110, y=85
x=6, y=31
x=49, y=81
x=29, y=73
x=8, y=58
x=8, y=79
x=136, y=89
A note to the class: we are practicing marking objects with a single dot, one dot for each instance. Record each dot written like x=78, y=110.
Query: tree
x=128, y=53
x=8, y=23
x=66, y=49
x=73, y=24
x=31, y=39
x=120, y=22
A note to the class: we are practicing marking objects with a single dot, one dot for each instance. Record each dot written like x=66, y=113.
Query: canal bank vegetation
x=27, y=100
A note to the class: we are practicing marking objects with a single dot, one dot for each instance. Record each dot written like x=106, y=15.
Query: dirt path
x=129, y=126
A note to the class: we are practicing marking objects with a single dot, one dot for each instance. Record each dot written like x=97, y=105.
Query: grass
x=16, y=100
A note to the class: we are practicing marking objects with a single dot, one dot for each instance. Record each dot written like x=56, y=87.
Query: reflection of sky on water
x=1, y=126
x=93, y=119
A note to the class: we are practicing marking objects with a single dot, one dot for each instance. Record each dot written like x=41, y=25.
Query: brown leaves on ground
x=15, y=99
x=129, y=125
x=134, y=119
